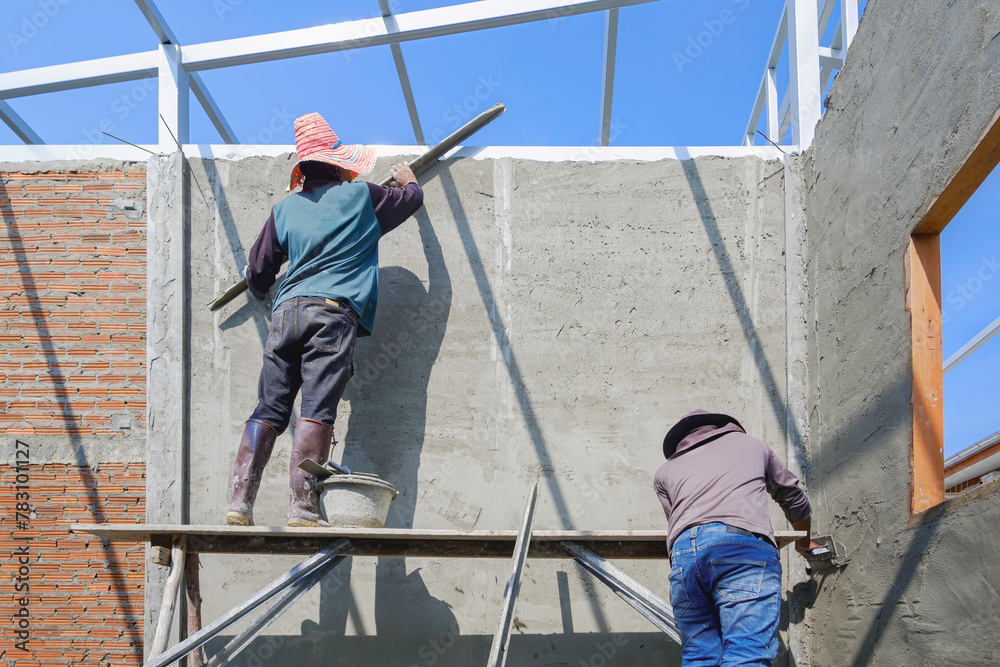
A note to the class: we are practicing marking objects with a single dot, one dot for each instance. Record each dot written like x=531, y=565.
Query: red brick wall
x=72, y=303
x=72, y=373
x=84, y=597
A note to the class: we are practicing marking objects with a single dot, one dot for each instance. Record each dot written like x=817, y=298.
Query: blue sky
x=669, y=90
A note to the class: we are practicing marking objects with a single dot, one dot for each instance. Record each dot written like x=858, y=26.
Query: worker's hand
x=401, y=175
x=805, y=547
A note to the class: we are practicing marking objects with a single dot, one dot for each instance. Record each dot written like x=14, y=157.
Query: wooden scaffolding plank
x=637, y=544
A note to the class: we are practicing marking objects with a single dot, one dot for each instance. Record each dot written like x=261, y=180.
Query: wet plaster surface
x=537, y=321
x=921, y=82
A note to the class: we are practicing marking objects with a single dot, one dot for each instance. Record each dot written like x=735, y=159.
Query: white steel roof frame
x=404, y=77
x=16, y=123
x=810, y=68
x=167, y=36
x=608, y=79
x=177, y=67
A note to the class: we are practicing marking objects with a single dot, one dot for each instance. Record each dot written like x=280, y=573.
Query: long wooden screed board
x=395, y=541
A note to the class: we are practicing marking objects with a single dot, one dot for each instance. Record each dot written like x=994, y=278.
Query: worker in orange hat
x=329, y=232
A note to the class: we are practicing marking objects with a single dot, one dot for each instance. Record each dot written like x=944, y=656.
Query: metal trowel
x=323, y=471
x=330, y=469
x=826, y=555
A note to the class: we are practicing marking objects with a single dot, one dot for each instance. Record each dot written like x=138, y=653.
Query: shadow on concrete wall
x=385, y=434
x=839, y=453
x=509, y=357
x=855, y=444
x=388, y=398
x=598, y=649
x=504, y=344
x=739, y=302
x=253, y=308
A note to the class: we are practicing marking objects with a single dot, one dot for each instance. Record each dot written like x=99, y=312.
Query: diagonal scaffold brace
x=501, y=639
x=638, y=596
x=290, y=586
x=420, y=164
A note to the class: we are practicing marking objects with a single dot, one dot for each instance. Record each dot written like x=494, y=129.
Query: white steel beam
x=977, y=342
x=173, y=90
x=825, y=13
x=17, y=124
x=608, y=80
x=784, y=114
x=78, y=75
x=831, y=57
x=211, y=108
x=404, y=77
x=411, y=103
x=803, y=65
x=423, y=24
x=156, y=21
x=167, y=36
x=848, y=22
x=778, y=43
x=771, y=84
x=774, y=56
x=759, y=106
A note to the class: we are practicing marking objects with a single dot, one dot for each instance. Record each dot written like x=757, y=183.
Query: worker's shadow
x=385, y=435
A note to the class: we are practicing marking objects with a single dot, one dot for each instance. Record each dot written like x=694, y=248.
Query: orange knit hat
x=315, y=141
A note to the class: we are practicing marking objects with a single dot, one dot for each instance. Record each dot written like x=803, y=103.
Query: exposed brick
x=58, y=234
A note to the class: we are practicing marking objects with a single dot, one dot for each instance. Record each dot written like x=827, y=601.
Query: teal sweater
x=330, y=232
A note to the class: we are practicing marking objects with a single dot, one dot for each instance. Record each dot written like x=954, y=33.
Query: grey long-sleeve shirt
x=725, y=477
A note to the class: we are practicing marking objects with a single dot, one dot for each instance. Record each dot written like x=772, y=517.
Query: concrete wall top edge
x=21, y=154
x=34, y=166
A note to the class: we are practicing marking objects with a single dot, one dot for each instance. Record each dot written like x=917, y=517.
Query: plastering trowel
x=323, y=471
x=826, y=555
x=329, y=469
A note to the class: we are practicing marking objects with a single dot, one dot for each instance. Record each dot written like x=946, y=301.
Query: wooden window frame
x=923, y=302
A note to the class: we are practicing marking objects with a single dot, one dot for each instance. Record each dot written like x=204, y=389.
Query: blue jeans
x=725, y=588
x=310, y=346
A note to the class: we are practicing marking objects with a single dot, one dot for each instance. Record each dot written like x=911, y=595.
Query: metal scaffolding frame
x=182, y=546
x=177, y=67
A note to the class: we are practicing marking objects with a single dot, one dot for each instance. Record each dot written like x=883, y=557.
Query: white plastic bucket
x=356, y=501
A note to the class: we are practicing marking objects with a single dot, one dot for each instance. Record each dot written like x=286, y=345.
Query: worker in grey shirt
x=725, y=577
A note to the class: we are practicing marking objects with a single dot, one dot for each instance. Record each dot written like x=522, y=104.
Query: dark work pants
x=310, y=346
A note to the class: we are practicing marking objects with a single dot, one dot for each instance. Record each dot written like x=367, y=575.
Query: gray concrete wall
x=537, y=321
x=921, y=83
